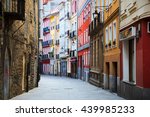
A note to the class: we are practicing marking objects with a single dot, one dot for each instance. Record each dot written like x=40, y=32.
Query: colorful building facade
x=47, y=41
x=96, y=45
x=84, y=19
x=111, y=45
x=73, y=39
x=134, y=44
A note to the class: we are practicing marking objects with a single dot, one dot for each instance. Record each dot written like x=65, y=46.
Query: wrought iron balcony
x=51, y=54
x=14, y=10
x=46, y=30
x=45, y=57
x=57, y=56
x=68, y=16
x=72, y=34
x=72, y=53
x=57, y=42
x=96, y=25
x=68, y=33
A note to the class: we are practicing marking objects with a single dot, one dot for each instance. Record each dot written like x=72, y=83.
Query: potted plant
x=114, y=42
x=109, y=43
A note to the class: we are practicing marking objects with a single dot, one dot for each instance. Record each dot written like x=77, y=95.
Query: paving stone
x=62, y=88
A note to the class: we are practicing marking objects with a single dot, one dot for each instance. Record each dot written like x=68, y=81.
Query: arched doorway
x=6, y=75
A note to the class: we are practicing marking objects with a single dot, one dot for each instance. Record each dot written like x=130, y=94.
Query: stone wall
x=21, y=40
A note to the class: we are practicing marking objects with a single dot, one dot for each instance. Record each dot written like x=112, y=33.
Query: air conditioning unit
x=148, y=27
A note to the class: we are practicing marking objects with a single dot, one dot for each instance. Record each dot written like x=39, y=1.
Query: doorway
x=6, y=76
x=131, y=60
x=115, y=75
x=107, y=74
x=23, y=74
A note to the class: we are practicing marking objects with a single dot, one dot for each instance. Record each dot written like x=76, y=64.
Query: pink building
x=46, y=46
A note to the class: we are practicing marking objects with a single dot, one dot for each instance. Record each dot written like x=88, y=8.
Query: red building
x=135, y=52
x=84, y=19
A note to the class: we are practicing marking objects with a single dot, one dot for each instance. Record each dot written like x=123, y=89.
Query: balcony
x=47, y=43
x=46, y=30
x=45, y=57
x=51, y=54
x=15, y=10
x=68, y=16
x=68, y=33
x=72, y=34
x=95, y=26
x=57, y=56
x=73, y=53
x=67, y=51
x=57, y=42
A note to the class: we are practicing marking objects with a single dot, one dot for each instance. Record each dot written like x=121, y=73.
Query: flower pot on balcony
x=106, y=46
x=114, y=42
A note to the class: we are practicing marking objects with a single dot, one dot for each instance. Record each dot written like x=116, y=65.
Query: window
x=106, y=36
x=107, y=2
x=84, y=36
x=110, y=2
x=114, y=31
x=75, y=6
x=110, y=32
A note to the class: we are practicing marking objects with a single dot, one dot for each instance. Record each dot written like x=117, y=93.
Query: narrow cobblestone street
x=61, y=88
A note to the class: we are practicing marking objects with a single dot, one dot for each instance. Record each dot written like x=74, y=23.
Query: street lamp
x=95, y=13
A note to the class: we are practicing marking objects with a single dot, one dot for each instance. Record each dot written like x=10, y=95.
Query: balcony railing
x=72, y=34
x=45, y=57
x=47, y=43
x=57, y=56
x=68, y=16
x=15, y=9
x=72, y=53
x=51, y=54
x=57, y=42
x=46, y=30
x=68, y=33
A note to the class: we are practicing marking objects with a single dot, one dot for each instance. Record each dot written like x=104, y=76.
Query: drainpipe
x=38, y=64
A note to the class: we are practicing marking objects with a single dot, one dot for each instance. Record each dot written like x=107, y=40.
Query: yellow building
x=111, y=45
x=54, y=46
x=52, y=40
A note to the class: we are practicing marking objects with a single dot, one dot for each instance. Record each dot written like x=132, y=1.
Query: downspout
x=38, y=64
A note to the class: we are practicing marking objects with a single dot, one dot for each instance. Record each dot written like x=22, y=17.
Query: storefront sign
x=128, y=33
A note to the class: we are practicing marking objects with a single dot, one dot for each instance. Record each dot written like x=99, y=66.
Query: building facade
x=18, y=47
x=96, y=44
x=54, y=48
x=47, y=41
x=111, y=43
x=73, y=40
x=134, y=43
x=84, y=19
x=65, y=16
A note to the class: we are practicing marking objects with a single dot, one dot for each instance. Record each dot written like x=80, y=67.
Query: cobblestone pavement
x=61, y=88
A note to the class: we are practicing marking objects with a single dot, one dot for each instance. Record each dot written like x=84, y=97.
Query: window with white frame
x=107, y=2
x=110, y=2
x=110, y=32
x=114, y=31
x=84, y=36
x=106, y=33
